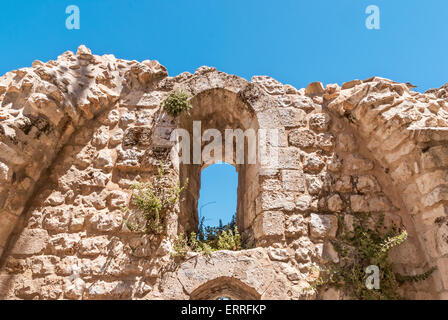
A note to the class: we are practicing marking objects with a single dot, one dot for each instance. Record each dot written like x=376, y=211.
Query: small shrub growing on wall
x=362, y=248
x=153, y=200
x=209, y=239
x=176, y=102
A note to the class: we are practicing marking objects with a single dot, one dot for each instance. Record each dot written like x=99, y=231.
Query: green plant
x=358, y=250
x=153, y=200
x=176, y=102
x=209, y=239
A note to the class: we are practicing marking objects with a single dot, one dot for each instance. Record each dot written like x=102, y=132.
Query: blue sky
x=294, y=41
x=217, y=199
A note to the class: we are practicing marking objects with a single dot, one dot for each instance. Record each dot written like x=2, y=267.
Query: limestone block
x=273, y=200
x=343, y=184
x=292, y=117
x=428, y=181
x=403, y=150
x=278, y=254
x=346, y=142
x=100, y=137
x=118, y=199
x=313, y=163
x=322, y=226
x=43, y=265
x=329, y=253
x=127, y=118
x=405, y=253
x=319, y=121
x=430, y=215
x=104, y=159
x=303, y=254
x=55, y=198
x=7, y=224
x=359, y=203
x=442, y=266
x=379, y=203
x=314, y=184
x=74, y=289
x=325, y=141
x=349, y=222
x=288, y=158
x=93, y=246
x=314, y=88
x=271, y=185
x=269, y=223
x=30, y=241
x=64, y=243
x=367, y=184
x=331, y=294
x=293, y=180
x=357, y=163
x=350, y=84
x=108, y=290
x=442, y=237
x=116, y=137
x=141, y=136
x=295, y=225
x=440, y=193
x=105, y=222
x=334, y=203
x=270, y=85
x=303, y=203
x=302, y=138
x=56, y=219
x=435, y=157
x=5, y=174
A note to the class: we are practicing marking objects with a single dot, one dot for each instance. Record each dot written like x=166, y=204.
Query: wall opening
x=225, y=288
x=218, y=195
x=219, y=109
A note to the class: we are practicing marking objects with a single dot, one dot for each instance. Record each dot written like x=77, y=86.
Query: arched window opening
x=225, y=288
x=218, y=198
x=219, y=110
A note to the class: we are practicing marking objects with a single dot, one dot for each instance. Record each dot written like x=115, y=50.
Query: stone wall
x=76, y=133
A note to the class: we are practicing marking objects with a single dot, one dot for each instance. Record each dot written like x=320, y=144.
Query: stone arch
x=227, y=287
x=220, y=109
x=221, y=101
x=403, y=133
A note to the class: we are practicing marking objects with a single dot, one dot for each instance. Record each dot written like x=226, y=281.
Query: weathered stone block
x=295, y=226
x=31, y=241
x=269, y=223
x=7, y=224
x=438, y=194
x=93, y=246
x=428, y=181
x=368, y=183
x=293, y=180
x=278, y=254
x=313, y=163
x=359, y=203
x=319, y=121
x=334, y=203
x=322, y=226
x=302, y=138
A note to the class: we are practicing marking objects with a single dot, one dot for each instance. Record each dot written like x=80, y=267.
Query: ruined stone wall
x=76, y=133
